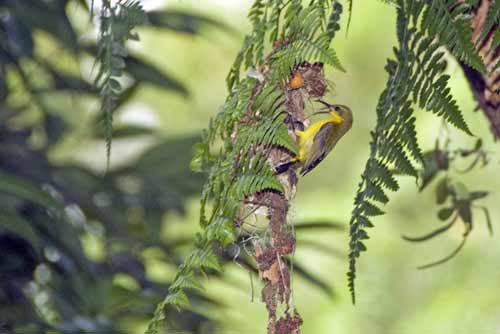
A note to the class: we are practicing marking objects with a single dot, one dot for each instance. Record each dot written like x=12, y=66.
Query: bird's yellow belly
x=305, y=148
x=306, y=139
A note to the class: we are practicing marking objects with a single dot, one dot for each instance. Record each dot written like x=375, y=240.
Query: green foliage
x=452, y=25
x=50, y=282
x=302, y=50
x=453, y=195
x=117, y=23
x=232, y=177
x=298, y=34
x=252, y=122
x=20, y=188
x=415, y=79
x=462, y=203
x=45, y=212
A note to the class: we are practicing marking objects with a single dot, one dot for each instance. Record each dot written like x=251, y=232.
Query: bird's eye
x=337, y=108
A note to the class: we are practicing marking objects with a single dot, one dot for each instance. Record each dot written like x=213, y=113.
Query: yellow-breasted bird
x=320, y=138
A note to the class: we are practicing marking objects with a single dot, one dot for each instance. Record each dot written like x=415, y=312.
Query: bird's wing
x=319, y=148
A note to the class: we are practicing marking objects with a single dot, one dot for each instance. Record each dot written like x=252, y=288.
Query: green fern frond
x=306, y=33
x=333, y=24
x=235, y=148
x=203, y=258
x=274, y=20
x=393, y=152
x=306, y=23
x=233, y=75
x=319, y=50
x=178, y=299
x=270, y=133
x=269, y=100
x=117, y=24
x=371, y=209
x=452, y=23
x=407, y=133
x=235, y=107
x=303, y=50
x=381, y=173
x=187, y=281
x=222, y=229
x=293, y=10
x=257, y=11
x=415, y=78
x=375, y=191
x=278, y=136
x=250, y=184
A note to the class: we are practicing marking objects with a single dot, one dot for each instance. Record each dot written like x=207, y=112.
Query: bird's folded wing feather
x=320, y=147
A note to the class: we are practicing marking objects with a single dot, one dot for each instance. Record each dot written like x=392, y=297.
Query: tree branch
x=486, y=88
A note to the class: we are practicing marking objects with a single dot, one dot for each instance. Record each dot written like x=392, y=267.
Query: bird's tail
x=284, y=166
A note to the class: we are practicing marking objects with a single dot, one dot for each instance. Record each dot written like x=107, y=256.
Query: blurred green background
x=393, y=297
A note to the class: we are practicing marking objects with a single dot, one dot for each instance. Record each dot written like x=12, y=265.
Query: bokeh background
x=146, y=208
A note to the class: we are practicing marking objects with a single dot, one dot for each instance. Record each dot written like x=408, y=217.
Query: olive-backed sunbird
x=320, y=138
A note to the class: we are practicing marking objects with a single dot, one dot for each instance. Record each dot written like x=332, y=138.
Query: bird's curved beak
x=326, y=110
x=330, y=109
x=326, y=104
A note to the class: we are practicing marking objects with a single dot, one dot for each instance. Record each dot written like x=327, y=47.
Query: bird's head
x=338, y=112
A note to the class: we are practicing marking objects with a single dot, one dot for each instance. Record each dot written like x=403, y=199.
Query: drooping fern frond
x=451, y=23
x=116, y=25
x=252, y=126
x=235, y=175
x=308, y=44
x=333, y=22
x=415, y=79
x=305, y=35
x=302, y=50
